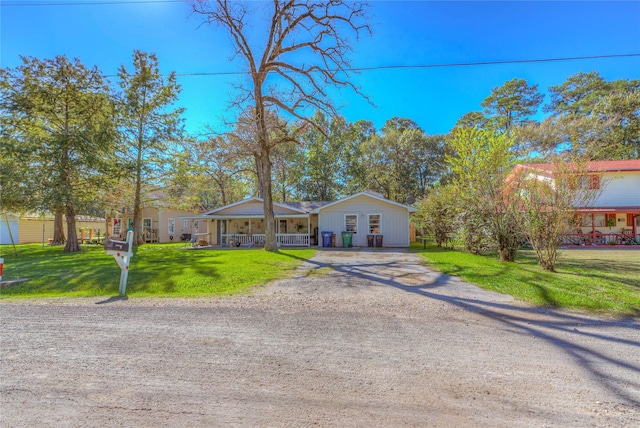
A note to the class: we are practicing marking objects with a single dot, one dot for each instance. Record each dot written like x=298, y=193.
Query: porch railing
x=257, y=239
x=600, y=239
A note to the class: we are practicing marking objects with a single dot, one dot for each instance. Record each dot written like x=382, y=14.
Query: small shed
x=367, y=214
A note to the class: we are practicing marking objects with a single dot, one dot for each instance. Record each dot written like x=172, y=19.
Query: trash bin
x=371, y=241
x=347, y=238
x=326, y=239
x=378, y=240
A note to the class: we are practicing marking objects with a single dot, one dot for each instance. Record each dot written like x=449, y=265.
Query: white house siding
x=620, y=189
x=394, y=222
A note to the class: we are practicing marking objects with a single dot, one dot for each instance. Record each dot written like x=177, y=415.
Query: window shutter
x=594, y=182
x=630, y=219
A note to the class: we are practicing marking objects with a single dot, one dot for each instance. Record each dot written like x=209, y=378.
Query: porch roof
x=232, y=216
x=632, y=209
x=283, y=206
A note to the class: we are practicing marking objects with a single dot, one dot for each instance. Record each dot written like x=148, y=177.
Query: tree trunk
x=72, y=243
x=507, y=254
x=138, y=237
x=138, y=232
x=263, y=166
x=58, y=230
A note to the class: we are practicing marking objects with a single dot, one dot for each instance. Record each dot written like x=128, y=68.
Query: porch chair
x=581, y=238
x=627, y=238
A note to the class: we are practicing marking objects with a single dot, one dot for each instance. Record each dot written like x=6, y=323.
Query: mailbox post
x=122, y=251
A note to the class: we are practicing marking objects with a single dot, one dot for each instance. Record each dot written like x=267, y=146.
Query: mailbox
x=116, y=246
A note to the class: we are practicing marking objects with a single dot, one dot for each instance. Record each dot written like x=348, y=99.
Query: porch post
x=593, y=227
x=309, y=230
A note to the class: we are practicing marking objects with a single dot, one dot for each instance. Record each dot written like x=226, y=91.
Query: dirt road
x=355, y=339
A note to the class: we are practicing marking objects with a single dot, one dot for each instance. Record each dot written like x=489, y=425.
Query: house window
x=185, y=223
x=374, y=223
x=146, y=223
x=587, y=182
x=196, y=225
x=351, y=223
x=172, y=226
x=599, y=220
x=117, y=226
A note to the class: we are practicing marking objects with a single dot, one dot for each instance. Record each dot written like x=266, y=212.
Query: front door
x=283, y=226
x=222, y=230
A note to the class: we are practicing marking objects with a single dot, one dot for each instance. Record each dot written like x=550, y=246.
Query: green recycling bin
x=347, y=238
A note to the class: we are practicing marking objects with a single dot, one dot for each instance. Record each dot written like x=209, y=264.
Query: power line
x=422, y=66
x=514, y=61
x=88, y=3
x=441, y=65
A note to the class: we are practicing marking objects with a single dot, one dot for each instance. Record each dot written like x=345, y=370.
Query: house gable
x=365, y=198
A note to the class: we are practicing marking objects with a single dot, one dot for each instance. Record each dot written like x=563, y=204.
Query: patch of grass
x=593, y=280
x=320, y=272
x=156, y=270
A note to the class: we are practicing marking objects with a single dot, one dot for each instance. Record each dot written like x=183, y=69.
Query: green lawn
x=594, y=280
x=156, y=270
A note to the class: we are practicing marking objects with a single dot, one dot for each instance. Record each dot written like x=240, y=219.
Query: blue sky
x=405, y=33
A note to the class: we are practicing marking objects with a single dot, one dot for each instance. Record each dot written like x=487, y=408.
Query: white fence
x=257, y=240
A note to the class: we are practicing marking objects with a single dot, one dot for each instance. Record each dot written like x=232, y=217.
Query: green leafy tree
x=322, y=165
x=512, y=104
x=293, y=51
x=62, y=113
x=473, y=119
x=436, y=214
x=148, y=126
x=480, y=163
x=608, y=112
x=220, y=174
x=402, y=162
x=286, y=171
x=578, y=95
x=353, y=168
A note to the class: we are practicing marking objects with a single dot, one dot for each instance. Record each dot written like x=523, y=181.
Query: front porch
x=605, y=227
x=597, y=238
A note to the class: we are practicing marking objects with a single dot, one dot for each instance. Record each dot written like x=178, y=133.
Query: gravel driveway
x=358, y=338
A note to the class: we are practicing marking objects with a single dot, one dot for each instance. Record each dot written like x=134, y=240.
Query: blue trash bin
x=326, y=238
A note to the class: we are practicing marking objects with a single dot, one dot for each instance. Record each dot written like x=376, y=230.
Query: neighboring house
x=32, y=228
x=614, y=215
x=159, y=224
x=302, y=223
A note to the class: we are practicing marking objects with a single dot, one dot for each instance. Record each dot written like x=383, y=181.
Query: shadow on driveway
x=561, y=329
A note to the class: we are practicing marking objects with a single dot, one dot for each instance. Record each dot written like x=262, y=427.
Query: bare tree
x=302, y=51
x=218, y=162
x=550, y=195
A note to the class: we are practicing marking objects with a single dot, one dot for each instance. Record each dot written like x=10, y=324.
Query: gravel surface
x=357, y=338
